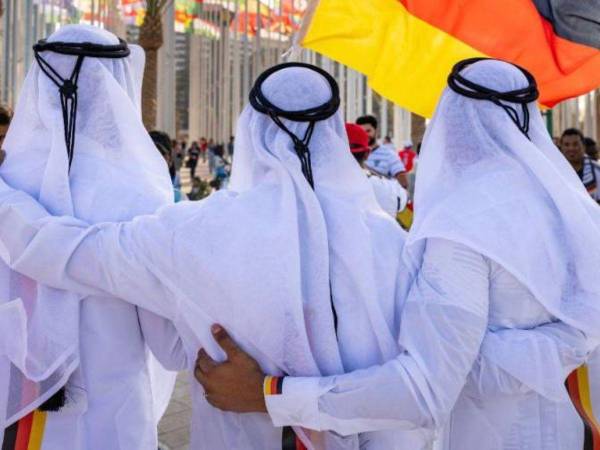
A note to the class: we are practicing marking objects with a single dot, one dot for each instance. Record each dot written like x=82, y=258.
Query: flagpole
x=307, y=18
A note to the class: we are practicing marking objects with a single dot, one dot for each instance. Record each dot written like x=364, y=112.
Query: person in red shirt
x=408, y=155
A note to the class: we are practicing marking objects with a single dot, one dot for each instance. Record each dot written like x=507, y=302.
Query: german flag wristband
x=273, y=385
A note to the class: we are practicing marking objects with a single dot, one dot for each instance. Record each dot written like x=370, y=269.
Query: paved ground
x=174, y=428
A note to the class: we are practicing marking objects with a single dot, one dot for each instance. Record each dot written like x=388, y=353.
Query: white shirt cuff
x=297, y=405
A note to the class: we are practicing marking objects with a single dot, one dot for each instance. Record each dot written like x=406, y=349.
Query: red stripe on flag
x=562, y=68
x=25, y=424
x=573, y=389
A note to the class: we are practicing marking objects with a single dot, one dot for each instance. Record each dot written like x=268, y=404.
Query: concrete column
x=165, y=120
x=401, y=126
x=383, y=117
x=360, y=86
x=588, y=119
x=341, y=77
x=195, y=91
x=350, y=95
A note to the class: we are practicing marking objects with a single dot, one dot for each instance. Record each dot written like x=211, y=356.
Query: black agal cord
x=68, y=87
x=312, y=115
x=523, y=97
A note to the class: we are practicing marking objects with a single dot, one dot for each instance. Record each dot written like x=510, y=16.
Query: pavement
x=174, y=428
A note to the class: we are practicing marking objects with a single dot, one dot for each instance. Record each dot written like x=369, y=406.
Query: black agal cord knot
x=68, y=87
x=523, y=97
x=312, y=115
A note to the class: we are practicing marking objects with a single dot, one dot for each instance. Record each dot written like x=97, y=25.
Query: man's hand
x=402, y=179
x=235, y=385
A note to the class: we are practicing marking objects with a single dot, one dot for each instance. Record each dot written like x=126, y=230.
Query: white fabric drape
x=265, y=261
x=527, y=209
x=116, y=174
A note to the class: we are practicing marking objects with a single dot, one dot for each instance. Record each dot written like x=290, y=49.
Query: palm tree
x=151, y=40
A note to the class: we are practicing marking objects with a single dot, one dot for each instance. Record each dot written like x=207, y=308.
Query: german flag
x=407, y=48
x=578, y=385
x=26, y=434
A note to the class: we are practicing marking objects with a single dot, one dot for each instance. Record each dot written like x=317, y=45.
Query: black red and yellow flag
x=408, y=47
x=26, y=434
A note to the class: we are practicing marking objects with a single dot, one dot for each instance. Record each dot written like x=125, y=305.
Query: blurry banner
x=272, y=19
x=186, y=12
x=133, y=11
x=408, y=47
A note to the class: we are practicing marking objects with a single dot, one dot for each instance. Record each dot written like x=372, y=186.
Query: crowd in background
x=380, y=159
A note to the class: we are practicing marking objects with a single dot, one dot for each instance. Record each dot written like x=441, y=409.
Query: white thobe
x=487, y=401
x=105, y=260
x=391, y=196
x=110, y=401
x=457, y=297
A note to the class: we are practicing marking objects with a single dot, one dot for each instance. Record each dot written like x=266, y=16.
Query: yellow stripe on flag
x=37, y=431
x=583, y=380
x=381, y=39
x=267, y=385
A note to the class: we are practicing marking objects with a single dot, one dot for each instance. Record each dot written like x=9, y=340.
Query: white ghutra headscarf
x=266, y=260
x=483, y=183
x=116, y=174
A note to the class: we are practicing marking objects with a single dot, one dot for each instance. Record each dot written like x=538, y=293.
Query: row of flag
x=250, y=17
x=247, y=16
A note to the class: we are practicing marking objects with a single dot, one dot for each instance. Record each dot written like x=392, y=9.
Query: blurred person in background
x=591, y=148
x=231, y=146
x=383, y=159
x=203, y=148
x=5, y=118
x=193, y=158
x=222, y=166
x=167, y=155
x=164, y=143
x=390, y=195
x=210, y=152
x=572, y=146
x=407, y=156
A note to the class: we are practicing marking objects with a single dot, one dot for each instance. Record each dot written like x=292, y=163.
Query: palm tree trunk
x=151, y=40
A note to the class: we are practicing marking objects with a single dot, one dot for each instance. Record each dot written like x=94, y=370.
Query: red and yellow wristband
x=273, y=385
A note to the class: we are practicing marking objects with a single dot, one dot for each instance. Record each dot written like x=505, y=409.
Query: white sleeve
x=395, y=164
x=443, y=324
x=163, y=341
x=105, y=259
x=390, y=195
x=515, y=361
